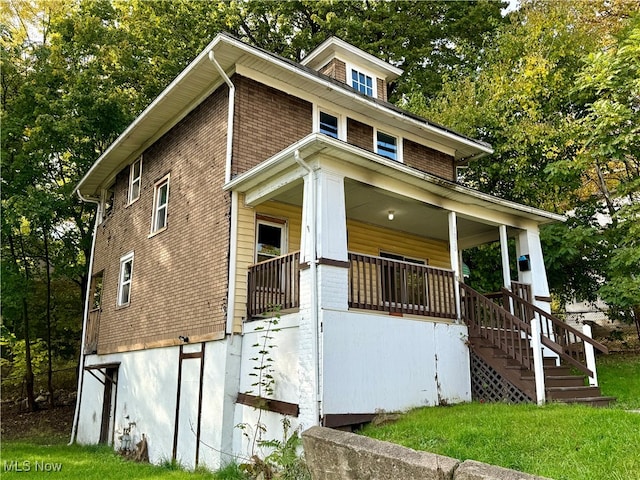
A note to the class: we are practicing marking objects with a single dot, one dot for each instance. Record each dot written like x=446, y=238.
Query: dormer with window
x=360, y=70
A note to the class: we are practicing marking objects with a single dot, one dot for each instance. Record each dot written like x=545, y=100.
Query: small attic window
x=362, y=82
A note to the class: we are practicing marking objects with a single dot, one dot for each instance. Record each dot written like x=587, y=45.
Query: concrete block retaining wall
x=335, y=455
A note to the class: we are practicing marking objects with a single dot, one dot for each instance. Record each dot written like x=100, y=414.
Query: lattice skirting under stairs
x=487, y=385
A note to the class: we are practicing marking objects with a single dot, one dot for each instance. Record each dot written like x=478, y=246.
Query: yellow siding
x=362, y=238
x=246, y=245
x=371, y=240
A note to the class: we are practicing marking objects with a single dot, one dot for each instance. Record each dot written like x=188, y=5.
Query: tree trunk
x=48, y=270
x=28, y=376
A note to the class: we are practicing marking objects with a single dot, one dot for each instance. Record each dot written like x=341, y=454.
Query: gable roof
x=334, y=47
x=200, y=79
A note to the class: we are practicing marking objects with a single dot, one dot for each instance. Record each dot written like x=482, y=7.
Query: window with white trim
x=270, y=238
x=135, y=176
x=124, y=279
x=387, y=145
x=328, y=124
x=362, y=82
x=160, y=205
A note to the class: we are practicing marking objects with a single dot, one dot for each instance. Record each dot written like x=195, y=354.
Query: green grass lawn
x=558, y=441
x=619, y=376
x=88, y=463
x=564, y=442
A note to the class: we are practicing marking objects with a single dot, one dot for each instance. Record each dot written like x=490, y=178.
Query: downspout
x=466, y=160
x=230, y=115
x=76, y=415
x=234, y=196
x=314, y=275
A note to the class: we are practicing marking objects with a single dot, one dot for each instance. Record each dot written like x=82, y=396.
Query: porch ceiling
x=371, y=205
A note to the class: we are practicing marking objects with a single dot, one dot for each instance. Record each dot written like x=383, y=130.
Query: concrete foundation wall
x=336, y=455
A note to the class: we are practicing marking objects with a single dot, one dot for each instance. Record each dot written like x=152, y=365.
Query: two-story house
x=255, y=187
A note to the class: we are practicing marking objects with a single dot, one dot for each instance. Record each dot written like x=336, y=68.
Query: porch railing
x=503, y=329
x=383, y=284
x=274, y=284
x=569, y=343
x=91, y=340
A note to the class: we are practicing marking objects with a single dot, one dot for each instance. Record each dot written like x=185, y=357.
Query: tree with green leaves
x=557, y=97
x=610, y=160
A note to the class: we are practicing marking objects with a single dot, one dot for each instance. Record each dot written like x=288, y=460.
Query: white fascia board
x=317, y=142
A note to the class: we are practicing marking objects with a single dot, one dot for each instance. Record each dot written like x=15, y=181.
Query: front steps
x=561, y=383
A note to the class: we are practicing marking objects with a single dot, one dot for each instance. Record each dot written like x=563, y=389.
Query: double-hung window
x=387, y=145
x=329, y=124
x=135, y=175
x=160, y=205
x=124, y=280
x=362, y=82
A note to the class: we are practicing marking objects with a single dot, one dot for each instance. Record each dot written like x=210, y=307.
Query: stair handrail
x=559, y=329
x=522, y=354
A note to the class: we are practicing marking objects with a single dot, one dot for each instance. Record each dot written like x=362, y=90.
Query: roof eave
x=315, y=142
x=108, y=164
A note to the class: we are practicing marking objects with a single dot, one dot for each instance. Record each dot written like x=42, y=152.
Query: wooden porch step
x=562, y=383
x=557, y=393
x=591, y=401
x=558, y=380
x=554, y=371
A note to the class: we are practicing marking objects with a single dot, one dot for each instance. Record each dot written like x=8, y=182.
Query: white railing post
x=590, y=356
x=538, y=366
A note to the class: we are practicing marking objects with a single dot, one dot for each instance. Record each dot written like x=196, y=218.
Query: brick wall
x=266, y=121
x=382, y=89
x=429, y=160
x=360, y=134
x=179, y=284
x=335, y=69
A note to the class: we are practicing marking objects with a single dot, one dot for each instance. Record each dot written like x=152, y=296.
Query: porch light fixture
x=391, y=215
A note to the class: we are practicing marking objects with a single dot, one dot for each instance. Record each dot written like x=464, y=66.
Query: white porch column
x=528, y=244
x=455, y=257
x=324, y=285
x=332, y=216
x=309, y=209
x=504, y=252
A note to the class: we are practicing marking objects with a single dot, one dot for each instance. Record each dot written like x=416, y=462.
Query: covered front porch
x=368, y=262
x=399, y=232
